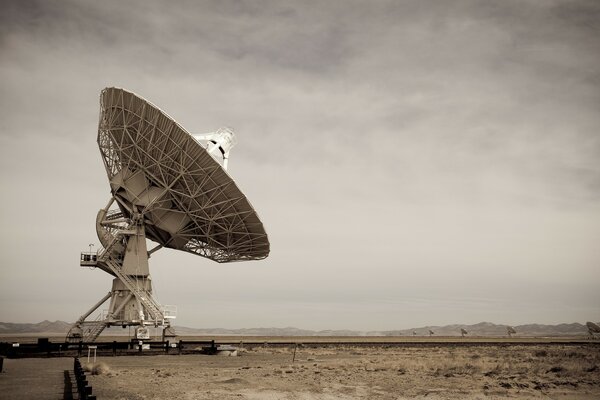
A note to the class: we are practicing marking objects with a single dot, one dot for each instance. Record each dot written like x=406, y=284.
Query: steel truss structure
x=187, y=199
x=167, y=187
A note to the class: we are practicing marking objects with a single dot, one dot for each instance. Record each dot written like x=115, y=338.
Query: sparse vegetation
x=353, y=372
x=100, y=369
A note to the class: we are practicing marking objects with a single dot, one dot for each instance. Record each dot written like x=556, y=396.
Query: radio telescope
x=510, y=331
x=592, y=328
x=463, y=332
x=172, y=188
x=431, y=333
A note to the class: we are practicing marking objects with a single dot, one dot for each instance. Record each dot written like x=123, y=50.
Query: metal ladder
x=95, y=330
x=153, y=308
x=90, y=330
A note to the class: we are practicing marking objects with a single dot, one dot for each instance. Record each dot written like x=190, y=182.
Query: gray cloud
x=431, y=160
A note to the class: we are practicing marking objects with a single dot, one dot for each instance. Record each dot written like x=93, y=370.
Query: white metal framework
x=222, y=140
x=166, y=187
x=187, y=200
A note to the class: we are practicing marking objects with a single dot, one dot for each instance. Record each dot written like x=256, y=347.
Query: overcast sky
x=413, y=162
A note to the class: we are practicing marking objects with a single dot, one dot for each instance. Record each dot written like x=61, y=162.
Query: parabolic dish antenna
x=592, y=328
x=167, y=186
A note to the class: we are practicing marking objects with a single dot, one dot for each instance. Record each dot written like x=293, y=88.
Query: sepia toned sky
x=414, y=162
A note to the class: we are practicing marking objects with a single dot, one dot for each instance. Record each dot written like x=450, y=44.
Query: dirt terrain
x=445, y=371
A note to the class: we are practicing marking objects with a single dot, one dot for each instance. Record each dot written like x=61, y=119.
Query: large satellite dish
x=167, y=186
x=510, y=331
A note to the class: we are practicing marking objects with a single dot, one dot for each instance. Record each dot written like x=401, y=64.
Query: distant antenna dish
x=510, y=331
x=431, y=333
x=167, y=186
x=414, y=333
x=463, y=332
x=592, y=328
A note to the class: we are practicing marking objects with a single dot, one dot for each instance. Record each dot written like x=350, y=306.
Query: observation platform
x=88, y=259
x=35, y=378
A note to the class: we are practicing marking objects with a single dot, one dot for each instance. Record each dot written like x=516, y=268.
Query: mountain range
x=44, y=326
x=480, y=329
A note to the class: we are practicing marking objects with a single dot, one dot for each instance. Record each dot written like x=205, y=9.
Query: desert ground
x=443, y=371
